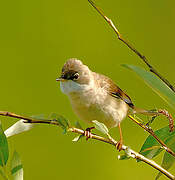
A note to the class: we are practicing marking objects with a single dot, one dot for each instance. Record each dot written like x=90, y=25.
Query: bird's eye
x=75, y=76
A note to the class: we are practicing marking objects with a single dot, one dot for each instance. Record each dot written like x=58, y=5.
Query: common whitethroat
x=94, y=96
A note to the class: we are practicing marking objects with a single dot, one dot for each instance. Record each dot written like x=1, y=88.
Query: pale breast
x=98, y=106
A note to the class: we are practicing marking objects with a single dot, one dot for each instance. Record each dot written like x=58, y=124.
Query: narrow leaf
x=39, y=117
x=123, y=157
x=78, y=125
x=62, y=122
x=16, y=167
x=77, y=138
x=17, y=128
x=168, y=161
x=4, y=151
x=151, y=147
x=128, y=154
x=155, y=83
x=101, y=127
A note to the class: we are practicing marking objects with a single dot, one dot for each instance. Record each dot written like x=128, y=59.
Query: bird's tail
x=137, y=110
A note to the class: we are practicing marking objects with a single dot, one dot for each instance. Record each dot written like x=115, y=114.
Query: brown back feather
x=113, y=89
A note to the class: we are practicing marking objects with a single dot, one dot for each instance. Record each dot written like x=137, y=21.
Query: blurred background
x=37, y=37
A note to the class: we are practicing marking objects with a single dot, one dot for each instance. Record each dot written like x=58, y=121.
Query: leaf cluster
x=9, y=169
x=151, y=148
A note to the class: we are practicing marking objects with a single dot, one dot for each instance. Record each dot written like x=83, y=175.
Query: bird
x=94, y=96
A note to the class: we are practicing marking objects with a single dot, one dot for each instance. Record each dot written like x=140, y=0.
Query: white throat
x=69, y=87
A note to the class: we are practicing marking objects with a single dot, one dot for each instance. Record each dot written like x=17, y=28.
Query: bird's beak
x=60, y=79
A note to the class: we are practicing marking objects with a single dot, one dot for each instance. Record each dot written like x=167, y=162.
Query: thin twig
x=151, y=68
x=150, y=131
x=130, y=152
x=29, y=119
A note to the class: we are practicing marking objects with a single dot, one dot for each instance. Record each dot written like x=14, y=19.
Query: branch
x=129, y=152
x=150, y=131
x=144, y=59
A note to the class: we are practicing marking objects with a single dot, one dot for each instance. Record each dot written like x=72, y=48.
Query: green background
x=37, y=37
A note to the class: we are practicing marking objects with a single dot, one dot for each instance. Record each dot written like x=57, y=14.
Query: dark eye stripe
x=70, y=75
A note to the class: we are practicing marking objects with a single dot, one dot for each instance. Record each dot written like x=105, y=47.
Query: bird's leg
x=120, y=142
x=87, y=132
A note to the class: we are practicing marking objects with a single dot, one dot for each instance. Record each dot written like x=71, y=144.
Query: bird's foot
x=119, y=145
x=87, y=132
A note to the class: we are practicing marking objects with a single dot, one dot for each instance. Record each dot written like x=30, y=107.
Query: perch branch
x=131, y=153
x=144, y=59
x=128, y=151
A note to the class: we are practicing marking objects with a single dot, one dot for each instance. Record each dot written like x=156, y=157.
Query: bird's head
x=74, y=76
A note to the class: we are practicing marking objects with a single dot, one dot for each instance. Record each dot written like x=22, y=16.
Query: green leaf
x=155, y=83
x=62, y=122
x=101, y=127
x=16, y=167
x=123, y=157
x=78, y=125
x=4, y=151
x=39, y=117
x=127, y=155
x=77, y=138
x=168, y=161
x=151, y=147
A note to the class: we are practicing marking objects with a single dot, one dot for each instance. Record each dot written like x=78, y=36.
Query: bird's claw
x=87, y=133
x=119, y=145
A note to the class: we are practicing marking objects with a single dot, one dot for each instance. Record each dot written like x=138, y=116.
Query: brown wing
x=114, y=90
x=118, y=93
